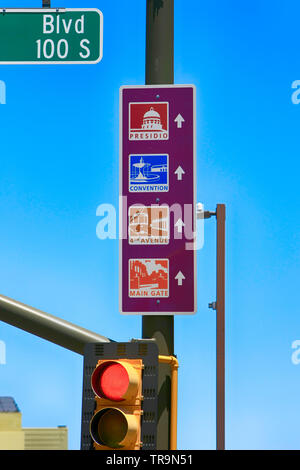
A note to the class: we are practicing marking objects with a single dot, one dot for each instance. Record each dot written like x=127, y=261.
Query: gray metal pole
x=47, y=326
x=220, y=333
x=160, y=70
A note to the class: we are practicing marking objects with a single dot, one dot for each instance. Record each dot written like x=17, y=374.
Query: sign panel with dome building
x=51, y=36
x=158, y=200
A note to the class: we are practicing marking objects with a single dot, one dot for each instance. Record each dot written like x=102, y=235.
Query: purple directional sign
x=157, y=200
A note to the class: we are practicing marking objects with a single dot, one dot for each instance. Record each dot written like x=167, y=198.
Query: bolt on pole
x=159, y=71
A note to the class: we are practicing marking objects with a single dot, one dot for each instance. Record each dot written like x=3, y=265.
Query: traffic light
x=119, y=407
x=118, y=390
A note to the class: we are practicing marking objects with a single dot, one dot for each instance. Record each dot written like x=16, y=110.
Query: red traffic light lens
x=110, y=380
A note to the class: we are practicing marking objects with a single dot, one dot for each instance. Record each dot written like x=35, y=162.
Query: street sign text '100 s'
x=51, y=36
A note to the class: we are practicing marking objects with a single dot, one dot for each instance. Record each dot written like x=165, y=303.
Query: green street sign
x=51, y=36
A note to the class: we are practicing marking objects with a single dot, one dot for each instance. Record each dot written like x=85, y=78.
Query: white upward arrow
x=179, y=278
x=179, y=224
x=179, y=120
x=179, y=172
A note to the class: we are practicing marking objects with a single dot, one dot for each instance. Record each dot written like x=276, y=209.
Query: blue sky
x=59, y=161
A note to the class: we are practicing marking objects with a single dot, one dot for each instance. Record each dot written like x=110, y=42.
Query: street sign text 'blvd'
x=51, y=36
